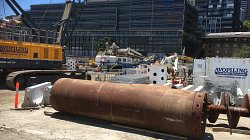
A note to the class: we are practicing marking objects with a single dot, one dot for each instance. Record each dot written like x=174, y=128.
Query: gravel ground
x=33, y=124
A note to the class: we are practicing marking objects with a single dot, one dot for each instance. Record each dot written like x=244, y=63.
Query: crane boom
x=24, y=17
x=65, y=17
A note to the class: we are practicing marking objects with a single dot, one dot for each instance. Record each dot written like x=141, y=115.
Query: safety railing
x=102, y=76
x=24, y=34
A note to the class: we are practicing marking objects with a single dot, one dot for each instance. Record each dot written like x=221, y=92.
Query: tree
x=246, y=25
x=243, y=52
x=101, y=44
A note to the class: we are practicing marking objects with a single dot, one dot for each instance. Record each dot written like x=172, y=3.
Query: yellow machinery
x=29, y=63
x=92, y=62
x=185, y=58
x=28, y=55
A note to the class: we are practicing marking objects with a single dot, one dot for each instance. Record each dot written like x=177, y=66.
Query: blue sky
x=25, y=4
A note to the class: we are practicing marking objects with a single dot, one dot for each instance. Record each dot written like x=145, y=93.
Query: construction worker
x=102, y=61
x=77, y=65
x=98, y=69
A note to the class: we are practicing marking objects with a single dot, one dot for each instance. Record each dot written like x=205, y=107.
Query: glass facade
x=148, y=26
x=248, y=10
x=219, y=15
x=243, y=7
x=50, y=18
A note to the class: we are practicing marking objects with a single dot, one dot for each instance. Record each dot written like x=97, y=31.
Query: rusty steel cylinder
x=156, y=108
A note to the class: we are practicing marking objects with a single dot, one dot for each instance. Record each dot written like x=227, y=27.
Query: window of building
x=35, y=55
x=235, y=45
x=199, y=66
x=230, y=5
x=228, y=27
x=229, y=15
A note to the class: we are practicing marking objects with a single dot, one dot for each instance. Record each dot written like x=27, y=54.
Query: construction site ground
x=34, y=124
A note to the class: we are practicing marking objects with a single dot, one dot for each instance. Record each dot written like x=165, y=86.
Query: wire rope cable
x=4, y=10
x=45, y=13
x=79, y=9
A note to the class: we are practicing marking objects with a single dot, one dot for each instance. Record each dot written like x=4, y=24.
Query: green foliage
x=101, y=44
x=243, y=52
x=246, y=25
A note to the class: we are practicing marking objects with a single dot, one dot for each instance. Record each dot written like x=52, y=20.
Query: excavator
x=32, y=55
x=116, y=58
x=176, y=68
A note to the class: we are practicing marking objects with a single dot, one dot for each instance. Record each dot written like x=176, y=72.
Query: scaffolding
x=23, y=34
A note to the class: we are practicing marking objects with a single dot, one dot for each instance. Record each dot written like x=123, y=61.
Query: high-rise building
x=248, y=10
x=148, y=26
x=244, y=8
x=202, y=7
x=219, y=15
x=192, y=2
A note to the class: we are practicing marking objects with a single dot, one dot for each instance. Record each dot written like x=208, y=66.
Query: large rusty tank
x=155, y=108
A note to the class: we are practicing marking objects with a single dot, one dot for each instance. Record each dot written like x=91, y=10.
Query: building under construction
x=148, y=26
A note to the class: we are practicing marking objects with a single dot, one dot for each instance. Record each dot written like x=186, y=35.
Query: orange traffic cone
x=17, y=94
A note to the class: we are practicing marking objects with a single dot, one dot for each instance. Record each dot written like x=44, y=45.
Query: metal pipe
x=233, y=113
x=244, y=112
x=155, y=108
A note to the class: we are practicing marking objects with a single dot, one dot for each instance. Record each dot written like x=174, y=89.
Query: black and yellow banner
x=14, y=50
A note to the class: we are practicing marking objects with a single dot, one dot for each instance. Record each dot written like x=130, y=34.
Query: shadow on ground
x=208, y=136
x=226, y=126
x=112, y=126
x=2, y=84
x=2, y=80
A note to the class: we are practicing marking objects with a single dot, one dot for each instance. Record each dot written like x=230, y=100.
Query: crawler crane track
x=30, y=77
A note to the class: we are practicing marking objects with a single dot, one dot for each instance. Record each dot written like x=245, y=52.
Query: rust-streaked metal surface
x=151, y=107
x=244, y=112
x=233, y=113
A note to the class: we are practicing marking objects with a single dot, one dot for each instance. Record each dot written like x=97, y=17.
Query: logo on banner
x=232, y=72
x=13, y=50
